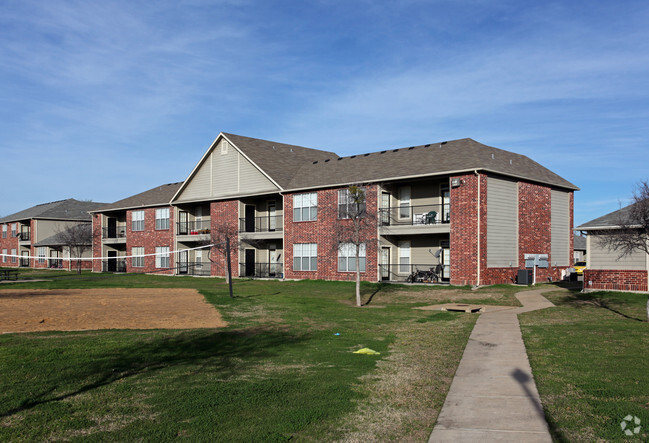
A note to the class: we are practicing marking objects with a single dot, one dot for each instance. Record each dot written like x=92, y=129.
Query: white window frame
x=14, y=230
x=4, y=256
x=347, y=257
x=4, y=231
x=305, y=257
x=14, y=256
x=305, y=207
x=405, y=198
x=137, y=259
x=137, y=220
x=42, y=253
x=405, y=254
x=344, y=200
x=162, y=257
x=162, y=219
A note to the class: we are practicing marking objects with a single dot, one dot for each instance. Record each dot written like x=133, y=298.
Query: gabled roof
x=158, y=196
x=608, y=221
x=438, y=158
x=69, y=209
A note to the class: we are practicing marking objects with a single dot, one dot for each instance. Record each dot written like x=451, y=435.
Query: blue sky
x=102, y=100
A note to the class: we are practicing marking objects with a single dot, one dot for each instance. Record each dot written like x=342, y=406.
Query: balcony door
x=183, y=223
x=250, y=262
x=112, y=261
x=112, y=227
x=272, y=213
x=250, y=218
x=385, y=263
x=182, y=262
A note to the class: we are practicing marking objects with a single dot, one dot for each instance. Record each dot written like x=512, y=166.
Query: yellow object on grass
x=367, y=351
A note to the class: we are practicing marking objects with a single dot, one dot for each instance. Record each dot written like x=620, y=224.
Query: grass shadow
x=220, y=351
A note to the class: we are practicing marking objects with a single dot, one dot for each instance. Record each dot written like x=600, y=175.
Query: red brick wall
x=9, y=243
x=323, y=231
x=617, y=280
x=150, y=238
x=96, y=242
x=224, y=215
x=464, y=226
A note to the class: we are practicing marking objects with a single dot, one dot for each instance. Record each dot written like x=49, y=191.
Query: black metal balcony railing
x=194, y=268
x=415, y=273
x=114, y=232
x=193, y=227
x=261, y=224
x=261, y=270
x=415, y=215
x=24, y=236
x=113, y=265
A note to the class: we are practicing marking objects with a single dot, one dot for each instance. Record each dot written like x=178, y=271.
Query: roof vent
x=327, y=160
x=340, y=158
x=315, y=162
x=395, y=150
x=353, y=156
x=442, y=144
x=427, y=146
x=365, y=155
x=411, y=148
x=383, y=152
x=493, y=157
x=291, y=149
x=510, y=162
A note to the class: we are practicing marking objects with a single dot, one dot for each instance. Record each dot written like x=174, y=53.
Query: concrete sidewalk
x=493, y=397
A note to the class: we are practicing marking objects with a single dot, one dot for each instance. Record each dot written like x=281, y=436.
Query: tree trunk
x=647, y=309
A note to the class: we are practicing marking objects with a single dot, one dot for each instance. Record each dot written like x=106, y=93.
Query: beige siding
x=560, y=219
x=224, y=173
x=502, y=223
x=47, y=228
x=599, y=257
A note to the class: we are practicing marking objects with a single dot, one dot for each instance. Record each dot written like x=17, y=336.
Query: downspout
x=479, y=255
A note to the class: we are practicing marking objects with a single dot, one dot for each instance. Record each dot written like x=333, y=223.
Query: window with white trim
x=4, y=256
x=137, y=221
x=162, y=257
x=14, y=256
x=41, y=254
x=305, y=207
x=14, y=230
x=404, y=257
x=347, y=207
x=4, y=231
x=305, y=257
x=162, y=219
x=347, y=257
x=137, y=261
x=404, y=202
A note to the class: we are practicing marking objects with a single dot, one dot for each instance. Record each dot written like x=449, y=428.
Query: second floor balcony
x=195, y=227
x=272, y=225
x=415, y=219
x=25, y=235
x=115, y=233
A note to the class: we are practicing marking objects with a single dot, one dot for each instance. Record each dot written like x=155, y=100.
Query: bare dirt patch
x=33, y=310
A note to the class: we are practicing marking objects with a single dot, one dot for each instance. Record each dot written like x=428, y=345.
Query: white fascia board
x=254, y=164
x=198, y=165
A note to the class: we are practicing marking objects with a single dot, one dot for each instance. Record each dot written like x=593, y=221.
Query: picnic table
x=8, y=274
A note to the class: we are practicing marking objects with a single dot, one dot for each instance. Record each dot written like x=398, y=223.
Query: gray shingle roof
x=610, y=220
x=158, y=196
x=280, y=161
x=579, y=243
x=69, y=209
x=438, y=158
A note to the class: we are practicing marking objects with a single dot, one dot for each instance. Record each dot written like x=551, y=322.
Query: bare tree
x=356, y=228
x=221, y=235
x=78, y=238
x=632, y=232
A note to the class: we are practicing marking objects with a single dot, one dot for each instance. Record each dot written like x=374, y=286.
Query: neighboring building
x=33, y=233
x=579, y=253
x=606, y=269
x=139, y=225
x=473, y=209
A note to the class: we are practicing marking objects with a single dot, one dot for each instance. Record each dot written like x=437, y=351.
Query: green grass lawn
x=590, y=359
x=283, y=369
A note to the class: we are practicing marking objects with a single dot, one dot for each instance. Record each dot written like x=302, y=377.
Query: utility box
x=525, y=277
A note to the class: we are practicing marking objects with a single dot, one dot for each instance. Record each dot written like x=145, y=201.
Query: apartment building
x=136, y=234
x=31, y=238
x=606, y=269
x=469, y=210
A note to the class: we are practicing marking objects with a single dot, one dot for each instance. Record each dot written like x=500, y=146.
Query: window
x=4, y=231
x=14, y=257
x=404, y=202
x=14, y=230
x=137, y=261
x=305, y=257
x=41, y=255
x=4, y=256
x=347, y=207
x=162, y=257
x=347, y=257
x=162, y=218
x=137, y=221
x=305, y=207
x=404, y=257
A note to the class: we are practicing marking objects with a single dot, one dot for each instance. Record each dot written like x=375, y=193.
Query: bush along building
x=37, y=237
x=469, y=211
